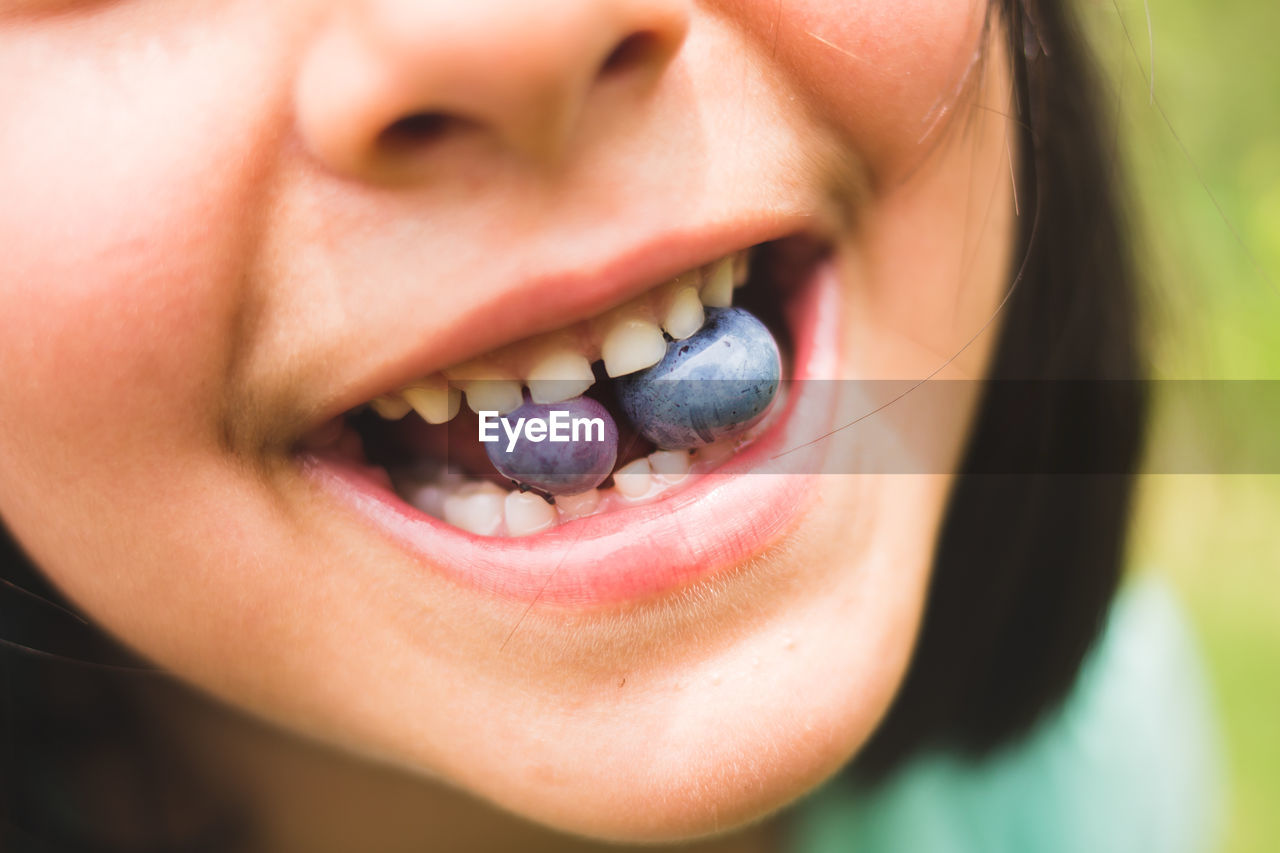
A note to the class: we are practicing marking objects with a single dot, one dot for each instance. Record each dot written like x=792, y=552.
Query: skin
x=210, y=237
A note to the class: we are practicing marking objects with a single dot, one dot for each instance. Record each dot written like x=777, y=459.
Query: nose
x=385, y=80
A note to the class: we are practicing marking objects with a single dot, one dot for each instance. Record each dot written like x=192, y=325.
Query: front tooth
x=528, y=513
x=633, y=479
x=741, y=267
x=718, y=451
x=560, y=376
x=632, y=344
x=390, y=408
x=718, y=291
x=433, y=399
x=476, y=508
x=576, y=506
x=429, y=497
x=685, y=316
x=670, y=466
x=494, y=395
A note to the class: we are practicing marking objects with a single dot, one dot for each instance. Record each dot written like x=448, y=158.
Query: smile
x=412, y=460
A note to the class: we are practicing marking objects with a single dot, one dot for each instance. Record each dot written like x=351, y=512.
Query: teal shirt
x=1130, y=763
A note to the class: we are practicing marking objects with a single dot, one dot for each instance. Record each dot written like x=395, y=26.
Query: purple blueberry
x=714, y=384
x=536, y=458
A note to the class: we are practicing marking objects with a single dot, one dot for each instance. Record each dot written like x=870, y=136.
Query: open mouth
x=419, y=460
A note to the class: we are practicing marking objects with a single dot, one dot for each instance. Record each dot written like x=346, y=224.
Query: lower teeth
x=486, y=509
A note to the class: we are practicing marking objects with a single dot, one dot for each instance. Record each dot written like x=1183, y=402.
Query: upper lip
x=548, y=301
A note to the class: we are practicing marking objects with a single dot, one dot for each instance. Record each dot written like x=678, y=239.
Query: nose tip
x=387, y=79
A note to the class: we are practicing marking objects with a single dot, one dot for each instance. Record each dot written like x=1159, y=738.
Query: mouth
x=657, y=517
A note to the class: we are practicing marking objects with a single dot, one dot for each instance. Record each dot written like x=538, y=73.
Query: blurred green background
x=1204, y=161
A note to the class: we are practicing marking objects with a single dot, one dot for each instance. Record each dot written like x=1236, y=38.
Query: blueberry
x=714, y=384
x=538, y=460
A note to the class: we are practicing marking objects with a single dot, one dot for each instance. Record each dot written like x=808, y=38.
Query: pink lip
x=554, y=300
x=711, y=526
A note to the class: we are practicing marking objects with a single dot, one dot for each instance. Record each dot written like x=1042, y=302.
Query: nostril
x=634, y=50
x=418, y=129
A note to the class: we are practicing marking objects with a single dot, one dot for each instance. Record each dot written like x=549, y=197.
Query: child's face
x=217, y=236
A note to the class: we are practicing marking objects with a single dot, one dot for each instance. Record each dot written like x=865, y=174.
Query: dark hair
x=81, y=766
x=1032, y=545
x=1028, y=559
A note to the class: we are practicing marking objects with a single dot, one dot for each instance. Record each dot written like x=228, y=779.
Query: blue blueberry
x=555, y=467
x=714, y=384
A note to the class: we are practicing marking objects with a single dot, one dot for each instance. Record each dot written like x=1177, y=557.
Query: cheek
x=882, y=72
x=124, y=222
x=130, y=188
x=902, y=84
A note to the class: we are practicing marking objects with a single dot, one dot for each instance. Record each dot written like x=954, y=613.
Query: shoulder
x=1130, y=762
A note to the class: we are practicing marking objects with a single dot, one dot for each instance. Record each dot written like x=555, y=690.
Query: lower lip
x=710, y=527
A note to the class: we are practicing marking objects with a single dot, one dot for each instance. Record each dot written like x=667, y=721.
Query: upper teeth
x=493, y=395
x=392, y=408
x=559, y=375
x=684, y=315
x=433, y=399
x=557, y=366
x=631, y=344
x=718, y=291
